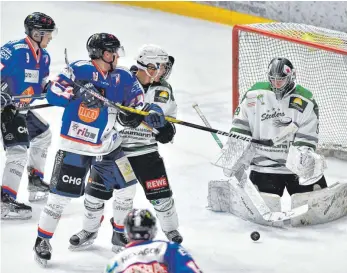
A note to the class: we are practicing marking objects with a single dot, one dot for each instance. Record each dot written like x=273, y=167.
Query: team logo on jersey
x=298, y=104
x=29, y=91
x=260, y=98
x=115, y=78
x=1, y=66
x=95, y=76
x=273, y=113
x=161, y=96
x=88, y=114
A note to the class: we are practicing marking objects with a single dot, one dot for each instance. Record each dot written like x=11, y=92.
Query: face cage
x=168, y=70
x=280, y=91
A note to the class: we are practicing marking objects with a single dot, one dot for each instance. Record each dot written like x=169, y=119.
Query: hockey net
x=320, y=58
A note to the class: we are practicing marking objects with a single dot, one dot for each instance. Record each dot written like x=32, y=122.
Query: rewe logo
x=72, y=180
x=22, y=130
x=156, y=183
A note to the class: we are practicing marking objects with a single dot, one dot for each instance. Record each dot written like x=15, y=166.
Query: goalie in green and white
x=266, y=110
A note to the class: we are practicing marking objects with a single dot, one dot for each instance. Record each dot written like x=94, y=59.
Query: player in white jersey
x=144, y=254
x=264, y=111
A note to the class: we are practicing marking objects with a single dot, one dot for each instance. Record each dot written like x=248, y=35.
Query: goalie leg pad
x=226, y=196
x=325, y=205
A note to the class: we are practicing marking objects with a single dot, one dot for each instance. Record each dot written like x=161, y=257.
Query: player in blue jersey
x=24, y=71
x=144, y=254
x=89, y=140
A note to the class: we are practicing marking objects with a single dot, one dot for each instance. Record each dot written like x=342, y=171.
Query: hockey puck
x=255, y=235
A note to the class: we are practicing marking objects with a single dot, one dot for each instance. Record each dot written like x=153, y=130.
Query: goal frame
x=235, y=53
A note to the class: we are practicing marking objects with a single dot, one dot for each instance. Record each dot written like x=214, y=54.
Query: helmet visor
x=53, y=32
x=118, y=50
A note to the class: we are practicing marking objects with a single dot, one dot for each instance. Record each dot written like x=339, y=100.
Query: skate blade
x=25, y=215
x=81, y=247
x=38, y=197
x=116, y=249
x=40, y=261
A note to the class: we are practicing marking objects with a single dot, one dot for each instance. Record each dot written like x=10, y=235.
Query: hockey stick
x=107, y=102
x=252, y=192
x=28, y=107
x=42, y=96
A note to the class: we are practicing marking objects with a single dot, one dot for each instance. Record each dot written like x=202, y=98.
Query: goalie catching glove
x=307, y=164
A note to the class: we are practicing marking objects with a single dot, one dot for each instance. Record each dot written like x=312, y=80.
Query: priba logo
x=88, y=114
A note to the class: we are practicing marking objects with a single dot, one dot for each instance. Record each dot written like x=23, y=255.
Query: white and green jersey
x=140, y=140
x=262, y=116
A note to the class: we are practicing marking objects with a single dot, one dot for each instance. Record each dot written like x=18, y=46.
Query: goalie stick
x=250, y=189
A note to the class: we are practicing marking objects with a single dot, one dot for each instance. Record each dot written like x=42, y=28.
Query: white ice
x=202, y=73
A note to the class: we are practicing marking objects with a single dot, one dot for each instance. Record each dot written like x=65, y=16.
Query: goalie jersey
x=140, y=140
x=262, y=116
x=152, y=256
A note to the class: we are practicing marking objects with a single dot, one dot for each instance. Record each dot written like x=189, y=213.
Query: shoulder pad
x=123, y=70
x=81, y=63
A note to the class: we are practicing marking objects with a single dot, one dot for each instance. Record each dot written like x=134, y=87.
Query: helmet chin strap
x=110, y=63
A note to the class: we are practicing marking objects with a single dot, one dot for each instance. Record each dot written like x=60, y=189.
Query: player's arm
x=8, y=61
x=302, y=158
x=240, y=122
x=168, y=131
x=60, y=90
x=178, y=260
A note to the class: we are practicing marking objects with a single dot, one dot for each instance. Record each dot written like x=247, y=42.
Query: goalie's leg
x=269, y=182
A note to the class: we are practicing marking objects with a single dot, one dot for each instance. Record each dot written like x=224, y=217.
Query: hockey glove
x=8, y=113
x=166, y=133
x=88, y=99
x=6, y=98
x=129, y=119
x=156, y=118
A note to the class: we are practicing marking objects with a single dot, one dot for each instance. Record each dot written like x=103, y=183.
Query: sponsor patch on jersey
x=161, y=96
x=84, y=132
x=88, y=114
x=156, y=183
x=19, y=46
x=29, y=91
x=31, y=76
x=6, y=53
x=298, y=104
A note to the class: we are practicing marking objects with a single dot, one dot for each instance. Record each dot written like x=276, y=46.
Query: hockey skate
x=119, y=240
x=37, y=188
x=174, y=236
x=13, y=210
x=42, y=251
x=82, y=240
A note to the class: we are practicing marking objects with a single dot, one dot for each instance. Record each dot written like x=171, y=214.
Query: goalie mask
x=153, y=57
x=281, y=75
x=140, y=225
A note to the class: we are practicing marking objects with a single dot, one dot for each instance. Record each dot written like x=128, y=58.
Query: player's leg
x=16, y=141
x=293, y=185
x=40, y=140
x=269, y=182
x=151, y=173
x=67, y=182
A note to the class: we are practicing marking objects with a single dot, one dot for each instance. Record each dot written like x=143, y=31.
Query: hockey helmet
x=140, y=224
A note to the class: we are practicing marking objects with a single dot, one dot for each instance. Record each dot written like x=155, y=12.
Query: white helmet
x=151, y=54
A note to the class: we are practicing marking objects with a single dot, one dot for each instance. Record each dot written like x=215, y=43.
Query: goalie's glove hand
x=156, y=118
x=129, y=119
x=166, y=133
x=88, y=99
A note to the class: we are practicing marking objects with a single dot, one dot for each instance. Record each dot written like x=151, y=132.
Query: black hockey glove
x=156, y=118
x=6, y=98
x=88, y=99
x=129, y=119
x=8, y=113
x=166, y=133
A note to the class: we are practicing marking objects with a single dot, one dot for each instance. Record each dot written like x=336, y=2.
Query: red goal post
x=320, y=58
